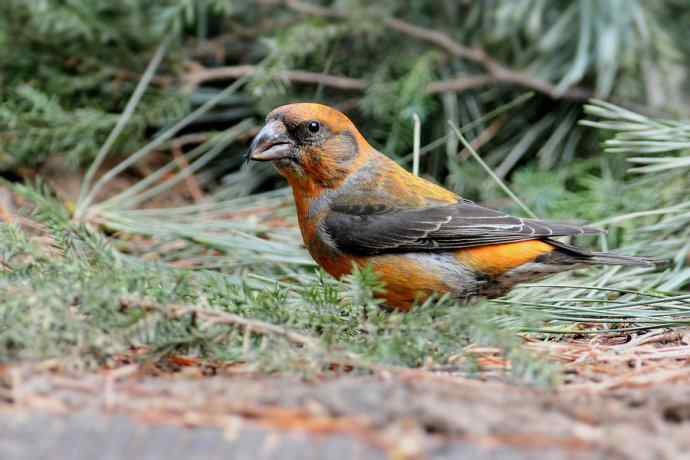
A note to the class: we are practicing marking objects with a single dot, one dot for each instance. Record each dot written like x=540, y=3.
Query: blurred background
x=69, y=68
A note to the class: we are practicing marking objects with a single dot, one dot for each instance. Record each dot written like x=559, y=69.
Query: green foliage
x=68, y=69
x=65, y=300
x=645, y=214
x=72, y=65
x=638, y=134
x=611, y=41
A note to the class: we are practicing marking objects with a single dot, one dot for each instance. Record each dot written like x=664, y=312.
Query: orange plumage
x=355, y=205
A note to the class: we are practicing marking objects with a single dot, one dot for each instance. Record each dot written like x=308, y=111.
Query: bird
x=356, y=207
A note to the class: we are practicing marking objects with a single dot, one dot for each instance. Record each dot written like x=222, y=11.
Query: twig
x=258, y=327
x=6, y=205
x=440, y=39
x=220, y=317
x=633, y=380
x=485, y=136
x=458, y=85
x=652, y=337
x=200, y=74
x=191, y=181
x=159, y=80
x=496, y=72
x=187, y=139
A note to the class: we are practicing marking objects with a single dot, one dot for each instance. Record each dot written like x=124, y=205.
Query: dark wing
x=369, y=230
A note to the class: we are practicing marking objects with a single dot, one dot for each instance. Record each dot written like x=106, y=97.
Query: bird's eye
x=313, y=126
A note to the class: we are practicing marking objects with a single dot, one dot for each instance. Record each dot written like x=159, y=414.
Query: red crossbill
x=357, y=206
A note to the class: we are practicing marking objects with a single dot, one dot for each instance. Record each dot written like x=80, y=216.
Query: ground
x=616, y=401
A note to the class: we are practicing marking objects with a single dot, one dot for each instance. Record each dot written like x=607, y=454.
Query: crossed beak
x=271, y=143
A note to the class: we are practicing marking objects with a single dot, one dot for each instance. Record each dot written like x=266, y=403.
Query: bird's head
x=310, y=144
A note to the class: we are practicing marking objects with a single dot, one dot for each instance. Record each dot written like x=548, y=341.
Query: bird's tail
x=584, y=256
x=606, y=258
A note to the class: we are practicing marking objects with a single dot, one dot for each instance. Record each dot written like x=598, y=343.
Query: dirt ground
x=617, y=401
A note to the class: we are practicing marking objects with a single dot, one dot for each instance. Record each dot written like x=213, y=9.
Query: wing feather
x=369, y=230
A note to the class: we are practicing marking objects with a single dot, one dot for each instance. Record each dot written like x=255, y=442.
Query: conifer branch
x=496, y=72
x=219, y=317
x=201, y=74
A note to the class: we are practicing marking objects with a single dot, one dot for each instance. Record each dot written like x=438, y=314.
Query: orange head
x=310, y=144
